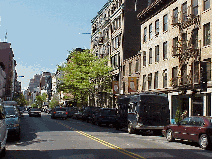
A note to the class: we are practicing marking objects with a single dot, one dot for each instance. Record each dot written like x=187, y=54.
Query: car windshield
x=60, y=109
x=10, y=111
x=35, y=109
x=108, y=112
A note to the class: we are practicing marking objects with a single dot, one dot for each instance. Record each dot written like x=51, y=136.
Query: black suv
x=105, y=116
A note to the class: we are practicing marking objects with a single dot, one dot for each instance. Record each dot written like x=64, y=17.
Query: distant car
x=13, y=121
x=35, y=112
x=195, y=128
x=77, y=115
x=105, y=116
x=21, y=110
x=3, y=131
x=59, y=112
x=71, y=111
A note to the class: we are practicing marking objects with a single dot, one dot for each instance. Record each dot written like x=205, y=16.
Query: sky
x=42, y=31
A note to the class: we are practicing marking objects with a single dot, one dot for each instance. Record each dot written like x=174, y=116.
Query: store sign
x=132, y=84
x=115, y=87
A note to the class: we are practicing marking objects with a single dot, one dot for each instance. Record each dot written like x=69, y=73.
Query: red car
x=195, y=128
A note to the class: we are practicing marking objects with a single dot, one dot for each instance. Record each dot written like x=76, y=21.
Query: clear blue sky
x=41, y=31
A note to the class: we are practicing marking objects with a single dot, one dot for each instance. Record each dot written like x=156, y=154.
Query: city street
x=43, y=137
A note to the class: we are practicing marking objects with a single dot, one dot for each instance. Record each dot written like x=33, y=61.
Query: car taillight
x=54, y=112
x=66, y=112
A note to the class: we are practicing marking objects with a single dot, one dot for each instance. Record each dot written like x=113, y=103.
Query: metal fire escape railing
x=187, y=51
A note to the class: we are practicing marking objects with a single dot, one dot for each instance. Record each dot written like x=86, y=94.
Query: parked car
x=195, y=128
x=35, y=112
x=13, y=121
x=71, y=111
x=77, y=115
x=3, y=131
x=88, y=113
x=105, y=116
x=21, y=110
x=59, y=112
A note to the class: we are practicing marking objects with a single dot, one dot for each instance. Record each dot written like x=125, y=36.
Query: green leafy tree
x=55, y=101
x=40, y=99
x=82, y=72
x=20, y=99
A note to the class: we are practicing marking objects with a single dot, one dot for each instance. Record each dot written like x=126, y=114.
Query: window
x=184, y=42
x=116, y=61
x=123, y=87
x=175, y=76
x=150, y=31
x=165, y=22
x=195, y=7
x=145, y=34
x=123, y=70
x=165, y=78
x=157, y=53
x=144, y=58
x=150, y=56
x=113, y=62
x=175, y=45
x=137, y=83
x=184, y=74
x=165, y=50
x=209, y=70
x=195, y=38
x=136, y=66
x=135, y=5
x=196, y=72
x=175, y=15
x=184, y=12
x=207, y=34
x=206, y=4
x=130, y=68
x=156, y=80
x=157, y=27
x=150, y=81
x=144, y=82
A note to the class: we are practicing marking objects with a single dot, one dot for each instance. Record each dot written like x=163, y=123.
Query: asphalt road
x=48, y=138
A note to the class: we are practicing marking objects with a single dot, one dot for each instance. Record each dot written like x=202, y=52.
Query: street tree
x=82, y=72
x=20, y=99
x=55, y=101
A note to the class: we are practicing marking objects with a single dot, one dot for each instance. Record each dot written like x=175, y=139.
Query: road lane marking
x=107, y=144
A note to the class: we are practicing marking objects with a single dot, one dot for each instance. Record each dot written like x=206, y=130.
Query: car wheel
x=3, y=152
x=169, y=135
x=130, y=129
x=204, y=141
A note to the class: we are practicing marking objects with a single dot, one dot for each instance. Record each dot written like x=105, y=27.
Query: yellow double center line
x=128, y=153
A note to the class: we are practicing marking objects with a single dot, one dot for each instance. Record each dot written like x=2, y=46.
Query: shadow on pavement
x=109, y=154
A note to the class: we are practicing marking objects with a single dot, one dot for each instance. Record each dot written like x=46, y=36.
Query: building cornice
x=155, y=7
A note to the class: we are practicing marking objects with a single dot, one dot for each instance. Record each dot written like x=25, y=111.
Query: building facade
x=6, y=57
x=116, y=34
x=2, y=80
x=176, y=53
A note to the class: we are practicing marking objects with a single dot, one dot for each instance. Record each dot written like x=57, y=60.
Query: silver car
x=59, y=112
x=3, y=131
x=12, y=121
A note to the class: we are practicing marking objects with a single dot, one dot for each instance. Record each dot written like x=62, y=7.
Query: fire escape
x=188, y=52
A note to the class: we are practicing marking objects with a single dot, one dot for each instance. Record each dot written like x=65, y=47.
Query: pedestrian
x=185, y=114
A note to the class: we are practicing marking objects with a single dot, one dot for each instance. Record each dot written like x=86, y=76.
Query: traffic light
x=203, y=76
